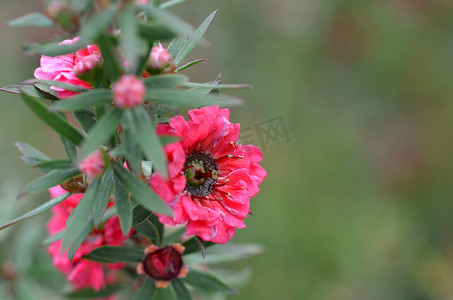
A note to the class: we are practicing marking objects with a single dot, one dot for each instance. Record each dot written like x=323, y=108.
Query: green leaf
x=69, y=147
x=101, y=132
x=155, y=31
x=130, y=142
x=98, y=23
x=49, y=180
x=164, y=294
x=141, y=193
x=75, y=232
x=165, y=81
x=140, y=214
x=53, y=120
x=30, y=151
x=56, y=49
x=85, y=119
x=227, y=253
x=181, y=290
x=84, y=100
x=114, y=254
x=187, y=99
x=190, y=64
x=63, y=85
x=148, y=229
x=146, y=291
x=29, y=90
x=131, y=44
x=32, y=19
x=49, y=204
x=193, y=40
x=148, y=140
x=173, y=22
x=174, y=236
x=170, y=3
x=216, y=86
x=55, y=164
x=91, y=293
x=123, y=207
x=208, y=282
x=103, y=197
x=193, y=245
x=110, y=67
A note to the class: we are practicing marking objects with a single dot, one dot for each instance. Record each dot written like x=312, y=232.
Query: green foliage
x=113, y=254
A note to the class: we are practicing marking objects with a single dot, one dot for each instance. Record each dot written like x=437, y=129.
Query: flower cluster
x=135, y=167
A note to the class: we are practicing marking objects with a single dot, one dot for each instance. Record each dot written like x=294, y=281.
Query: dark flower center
x=200, y=170
x=163, y=264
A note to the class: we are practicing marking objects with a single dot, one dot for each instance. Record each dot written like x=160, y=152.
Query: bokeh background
x=358, y=199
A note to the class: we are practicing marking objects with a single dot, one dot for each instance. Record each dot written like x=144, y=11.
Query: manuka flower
x=61, y=68
x=211, y=178
x=128, y=91
x=163, y=264
x=80, y=272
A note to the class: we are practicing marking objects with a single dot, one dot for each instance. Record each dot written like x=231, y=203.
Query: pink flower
x=93, y=165
x=163, y=264
x=61, y=68
x=211, y=178
x=80, y=272
x=159, y=58
x=129, y=91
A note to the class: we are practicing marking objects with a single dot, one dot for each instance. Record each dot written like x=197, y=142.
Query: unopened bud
x=94, y=164
x=160, y=61
x=163, y=264
x=129, y=91
x=88, y=68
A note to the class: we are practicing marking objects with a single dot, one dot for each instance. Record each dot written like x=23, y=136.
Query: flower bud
x=163, y=264
x=94, y=164
x=160, y=61
x=88, y=68
x=129, y=91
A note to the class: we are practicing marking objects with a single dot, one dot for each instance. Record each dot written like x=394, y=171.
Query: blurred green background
x=358, y=204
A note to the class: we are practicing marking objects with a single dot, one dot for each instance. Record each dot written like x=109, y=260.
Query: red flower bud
x=160, y=61
x=94, y=164
x=87, y=69
x=129, y=91
x=163, y=264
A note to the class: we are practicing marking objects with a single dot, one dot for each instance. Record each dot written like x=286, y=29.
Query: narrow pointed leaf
x=64, y=85
x=69, y=147
x=148, y=140
x=114, y=254
x=103, y=197
x=101, y=132
x=56, y=49
x=49, y=180
x=170, y=3
x=85, y=119
x=190, y=64
x=32, y=19
x=146, y=291
x=75, y=231
x=155, y=31
x=141, y=193
x=208, y=282
x=29, y=90
x=123, y=207
x=148, y=229
x=30, y=151
x=53, y=120
x=98, y=23
x=131, y=44
x=42, y=208
x=187, y=99
x=181, y=290
x=55, y=164
x=84, y=100
x=165, y=81
x=193, y=40
x=110, y=69
x=130, y=142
